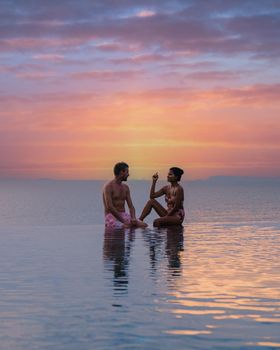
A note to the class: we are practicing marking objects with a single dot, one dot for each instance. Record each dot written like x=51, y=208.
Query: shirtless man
x=174, y=197
x=115, y=194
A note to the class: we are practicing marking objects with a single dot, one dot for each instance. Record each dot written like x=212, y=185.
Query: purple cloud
x=198, y=27
x=107, y=75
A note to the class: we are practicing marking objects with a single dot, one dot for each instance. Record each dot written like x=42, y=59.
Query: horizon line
x=214, y=177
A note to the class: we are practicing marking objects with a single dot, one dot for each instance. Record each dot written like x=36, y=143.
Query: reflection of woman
x=174, y=197
x=174, y=247
x=173, y=238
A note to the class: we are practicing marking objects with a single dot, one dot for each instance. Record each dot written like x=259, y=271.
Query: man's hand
x=133, y=222
x=155, y=177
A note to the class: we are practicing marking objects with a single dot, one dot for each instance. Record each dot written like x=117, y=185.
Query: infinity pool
x=202, y=286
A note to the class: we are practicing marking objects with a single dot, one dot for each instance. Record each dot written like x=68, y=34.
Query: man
x=115, y=194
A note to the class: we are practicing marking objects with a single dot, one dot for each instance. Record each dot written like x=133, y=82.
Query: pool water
x=200, y=286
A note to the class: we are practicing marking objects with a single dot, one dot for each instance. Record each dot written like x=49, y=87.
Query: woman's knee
x=152, y=202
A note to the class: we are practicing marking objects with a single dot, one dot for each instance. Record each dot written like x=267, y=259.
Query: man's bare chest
x=119, y=193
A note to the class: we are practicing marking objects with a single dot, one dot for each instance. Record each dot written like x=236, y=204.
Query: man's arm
x=130, y=205
x=109, y=204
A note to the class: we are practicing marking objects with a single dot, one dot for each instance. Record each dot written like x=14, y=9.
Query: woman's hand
x=155, y=177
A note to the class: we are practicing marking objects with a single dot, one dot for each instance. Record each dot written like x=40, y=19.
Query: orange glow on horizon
x=85, y=142
x=144, y=84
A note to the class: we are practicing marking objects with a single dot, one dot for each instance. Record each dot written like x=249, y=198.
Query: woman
x=174, y=197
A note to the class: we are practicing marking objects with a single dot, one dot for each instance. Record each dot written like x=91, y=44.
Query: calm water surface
x=212, y=284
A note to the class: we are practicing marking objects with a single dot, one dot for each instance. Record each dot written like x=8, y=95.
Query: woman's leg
x=153, y=204
x=167, y=221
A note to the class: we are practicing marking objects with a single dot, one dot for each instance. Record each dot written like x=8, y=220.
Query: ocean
x=67, y=283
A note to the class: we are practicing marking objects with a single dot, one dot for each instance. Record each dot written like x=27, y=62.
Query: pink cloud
x=35, y=44
x=151, y=58
x=199, y=75
x=49, y=57
x=146, y=13
x=117, y=47
x=107, y=75
x=254, y=93
x=215, y=75
x=222, y=29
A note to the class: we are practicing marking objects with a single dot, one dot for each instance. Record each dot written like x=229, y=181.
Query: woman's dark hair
x=119, y=167
x=177, y=172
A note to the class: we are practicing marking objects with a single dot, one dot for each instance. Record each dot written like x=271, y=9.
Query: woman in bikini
x=174, y=196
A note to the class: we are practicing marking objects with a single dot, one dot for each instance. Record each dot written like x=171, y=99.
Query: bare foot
x=142, y=224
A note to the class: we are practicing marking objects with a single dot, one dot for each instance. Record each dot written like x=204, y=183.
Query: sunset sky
x=155, y=83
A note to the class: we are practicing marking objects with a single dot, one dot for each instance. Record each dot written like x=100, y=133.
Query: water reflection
x=229, y=279
x=116, y=254
x=165, y=243
x=64, y=290
x=154, y=242
x=174, y=247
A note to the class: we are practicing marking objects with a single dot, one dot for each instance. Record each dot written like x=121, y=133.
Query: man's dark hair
x=119, y=167
x=177, y=172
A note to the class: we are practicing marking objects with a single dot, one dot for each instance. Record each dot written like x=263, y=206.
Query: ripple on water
x=211, y=286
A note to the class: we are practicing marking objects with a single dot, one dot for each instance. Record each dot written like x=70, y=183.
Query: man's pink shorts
x=111, y=221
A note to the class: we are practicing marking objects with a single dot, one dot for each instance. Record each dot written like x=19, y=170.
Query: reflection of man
x=115, y=194
x=116, y=253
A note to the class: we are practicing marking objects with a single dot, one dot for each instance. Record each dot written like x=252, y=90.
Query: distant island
x=238, y=180
x=219, y=180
